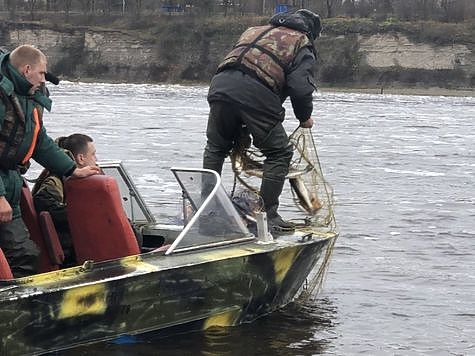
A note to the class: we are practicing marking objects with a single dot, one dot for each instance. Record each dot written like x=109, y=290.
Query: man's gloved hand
x=307, y=124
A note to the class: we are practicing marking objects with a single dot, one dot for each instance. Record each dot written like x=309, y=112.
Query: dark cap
x=313, y=21
x=301, y=20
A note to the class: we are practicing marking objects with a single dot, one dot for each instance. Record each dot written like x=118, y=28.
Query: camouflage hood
x=301, y=20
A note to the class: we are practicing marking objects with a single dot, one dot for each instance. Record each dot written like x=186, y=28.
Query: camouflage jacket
x=48, y=195
x=237, y=87
x=267, y=53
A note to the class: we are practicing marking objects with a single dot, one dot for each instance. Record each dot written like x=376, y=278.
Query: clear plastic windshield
x=210, y=217
x=133, y=204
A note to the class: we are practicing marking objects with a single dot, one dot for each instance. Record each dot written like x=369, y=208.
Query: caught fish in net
x=310, y=192
x=310, y=189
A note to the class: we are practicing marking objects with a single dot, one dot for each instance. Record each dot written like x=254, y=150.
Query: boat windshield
x=210, y=217
x=133, y=204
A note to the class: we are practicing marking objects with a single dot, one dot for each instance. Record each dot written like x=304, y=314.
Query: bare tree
x=453, y=10
x=88, y=6
x=441, y=10
x=226, y=4
x=11, y=6
x=329, y=4
x=138, y=7
x=32, y=7
x=384, y=8
x=425, y=9
x=205, y=7
x=67, y=7
x=469, y=9
x=365, y=8
x=107, y=7
x=349, y=7
x=403, y=9
x=243, y=6
x=52, y=5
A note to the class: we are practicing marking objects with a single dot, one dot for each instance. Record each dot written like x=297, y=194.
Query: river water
x=402, y=279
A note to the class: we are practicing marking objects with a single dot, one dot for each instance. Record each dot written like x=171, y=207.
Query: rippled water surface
x=402, y=280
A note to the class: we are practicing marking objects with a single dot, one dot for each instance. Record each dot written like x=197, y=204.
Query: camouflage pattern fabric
x=11, y=134
x=214, y=287
x=267, y=51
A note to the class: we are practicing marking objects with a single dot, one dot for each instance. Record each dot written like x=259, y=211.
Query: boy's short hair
x=75, y=143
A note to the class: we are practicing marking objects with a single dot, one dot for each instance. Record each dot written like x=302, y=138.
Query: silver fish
x=308, y=200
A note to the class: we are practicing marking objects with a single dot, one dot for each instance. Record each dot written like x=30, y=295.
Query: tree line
x=404, y=10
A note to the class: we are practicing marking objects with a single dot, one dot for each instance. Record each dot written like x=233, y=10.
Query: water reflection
x=305, y=328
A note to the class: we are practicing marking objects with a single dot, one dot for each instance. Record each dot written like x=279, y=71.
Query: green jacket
x=46, y=153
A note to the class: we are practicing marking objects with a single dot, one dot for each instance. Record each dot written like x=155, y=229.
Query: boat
x=213, y=269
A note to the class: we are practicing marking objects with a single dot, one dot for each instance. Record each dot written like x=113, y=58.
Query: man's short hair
x=26, y=54
x=75, y=143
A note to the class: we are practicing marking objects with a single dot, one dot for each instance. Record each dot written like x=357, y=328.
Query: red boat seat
x=42, y=232
x=5, y=271
x=99, y=226
x=53, y=246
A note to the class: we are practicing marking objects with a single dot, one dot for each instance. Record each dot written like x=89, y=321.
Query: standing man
x=268, y=64
x=22, y=136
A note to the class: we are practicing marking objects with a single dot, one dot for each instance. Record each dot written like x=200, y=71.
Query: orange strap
x=35, y=137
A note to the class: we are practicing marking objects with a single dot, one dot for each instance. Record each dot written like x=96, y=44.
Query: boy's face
x=88, y=158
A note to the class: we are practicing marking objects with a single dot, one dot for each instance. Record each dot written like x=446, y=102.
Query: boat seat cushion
x=45, y=237
x=5, y=271
x=53, y=246
x=100, y=229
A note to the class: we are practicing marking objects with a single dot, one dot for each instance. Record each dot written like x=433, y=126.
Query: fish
x=308, y=200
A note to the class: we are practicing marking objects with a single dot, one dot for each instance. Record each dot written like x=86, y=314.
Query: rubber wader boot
x=270, y=192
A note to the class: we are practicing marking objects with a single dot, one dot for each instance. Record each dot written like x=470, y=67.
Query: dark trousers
x=21, y=252
x=224, y=125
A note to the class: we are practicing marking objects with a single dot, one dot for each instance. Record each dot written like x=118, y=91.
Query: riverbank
x=431, y=91
x=352, y=53
x=424, y=91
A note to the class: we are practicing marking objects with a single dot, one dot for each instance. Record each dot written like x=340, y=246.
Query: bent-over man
x=268, y=64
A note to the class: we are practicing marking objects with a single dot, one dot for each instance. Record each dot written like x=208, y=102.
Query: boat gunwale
x=25, y=287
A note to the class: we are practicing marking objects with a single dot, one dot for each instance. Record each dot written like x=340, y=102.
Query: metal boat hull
x=215, y=287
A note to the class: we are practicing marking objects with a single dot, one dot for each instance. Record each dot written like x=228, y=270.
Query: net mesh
x=311, y=194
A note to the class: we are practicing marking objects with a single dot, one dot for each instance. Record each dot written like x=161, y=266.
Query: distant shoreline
x=353, y=53
x=431, y=91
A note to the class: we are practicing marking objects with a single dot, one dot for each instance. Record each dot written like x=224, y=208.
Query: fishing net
x=309, y=191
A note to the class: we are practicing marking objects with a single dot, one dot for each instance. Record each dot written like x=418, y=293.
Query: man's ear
x=25, y=69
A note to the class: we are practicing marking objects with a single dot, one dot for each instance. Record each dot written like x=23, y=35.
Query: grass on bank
x=146, y=26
